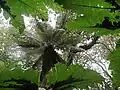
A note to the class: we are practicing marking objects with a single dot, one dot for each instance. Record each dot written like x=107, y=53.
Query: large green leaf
x=27, y=7
x=18, y=74
x=73, y=76
x=90, y=12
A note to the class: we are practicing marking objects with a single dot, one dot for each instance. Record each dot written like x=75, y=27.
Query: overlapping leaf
x=89, y=12
x=27, y=7
x=74, y=76
x=18, y=74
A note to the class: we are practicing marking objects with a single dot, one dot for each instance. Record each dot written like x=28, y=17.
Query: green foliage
x=17, y=74
x=2, y=64
x=74, y=76
x=114, y=58
x=118, y=1
x=89, y=9
x=99, y=31
x=89, y=13
x=62, y=77
x=29, y=7
x=7, y=89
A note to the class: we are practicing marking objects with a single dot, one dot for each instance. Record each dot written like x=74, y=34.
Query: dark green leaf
x=63, y=78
